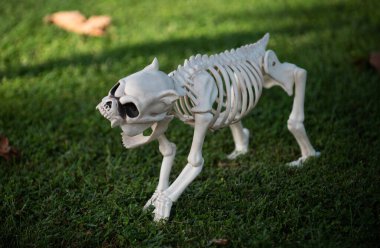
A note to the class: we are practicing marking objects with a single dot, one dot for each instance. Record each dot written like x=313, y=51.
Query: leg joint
x=195, y=160
x=167, y=149
x=295, y=125
x=203, y=118
x=299, y=72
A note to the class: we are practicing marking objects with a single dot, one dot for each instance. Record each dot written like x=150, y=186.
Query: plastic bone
x=209, y=93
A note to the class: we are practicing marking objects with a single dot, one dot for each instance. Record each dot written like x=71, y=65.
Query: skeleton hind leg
x=288, y=75
x=241, y=139
x=296, y=118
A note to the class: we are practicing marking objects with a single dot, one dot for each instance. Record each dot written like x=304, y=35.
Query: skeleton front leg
x=194, y=166
x=168, y=151
x=241, y=138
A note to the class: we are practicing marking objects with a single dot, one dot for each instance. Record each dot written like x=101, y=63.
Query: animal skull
x=140, y=101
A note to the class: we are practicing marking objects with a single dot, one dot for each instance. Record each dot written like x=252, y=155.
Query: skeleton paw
x=301, y=160
x=236, y=153
x=242, y=148
x=152, y=200
x=163, y=205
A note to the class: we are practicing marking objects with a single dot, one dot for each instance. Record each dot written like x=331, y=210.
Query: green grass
x=75, y=185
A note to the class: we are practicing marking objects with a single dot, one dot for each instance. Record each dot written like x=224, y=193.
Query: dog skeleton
x=207, y=93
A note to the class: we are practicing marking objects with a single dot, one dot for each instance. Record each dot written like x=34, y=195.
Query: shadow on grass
x=290, y=22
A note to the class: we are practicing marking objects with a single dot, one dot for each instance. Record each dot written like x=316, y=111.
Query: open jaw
x=132, y=129
x=133, y=136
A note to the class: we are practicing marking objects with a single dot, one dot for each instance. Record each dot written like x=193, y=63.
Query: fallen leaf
x=374, y=60
x=219, y=242
x=74, y=21
x=227, y=164
x=6, y=151
x=362, y=63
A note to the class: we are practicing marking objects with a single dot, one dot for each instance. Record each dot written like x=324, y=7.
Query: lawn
x=75, y=185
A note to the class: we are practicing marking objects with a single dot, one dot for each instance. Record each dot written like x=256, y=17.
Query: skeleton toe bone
x=299, y=162
x=236, y=153
x=163, y=205
x=152, y=200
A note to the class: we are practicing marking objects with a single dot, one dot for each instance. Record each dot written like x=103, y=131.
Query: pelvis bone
x=207, y=92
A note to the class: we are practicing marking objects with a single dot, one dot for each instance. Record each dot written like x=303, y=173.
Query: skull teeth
x=107, y=110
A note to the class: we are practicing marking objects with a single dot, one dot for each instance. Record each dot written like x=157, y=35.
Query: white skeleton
x=207, y=93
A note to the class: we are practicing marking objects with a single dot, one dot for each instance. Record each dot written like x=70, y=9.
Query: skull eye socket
x=129, y=109
x=114, y=88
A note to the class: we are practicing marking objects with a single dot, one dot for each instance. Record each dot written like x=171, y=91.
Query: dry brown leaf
x=227, y=163
x=220, y=242
x=6, y=151
x=374, y=60
x=76, y=22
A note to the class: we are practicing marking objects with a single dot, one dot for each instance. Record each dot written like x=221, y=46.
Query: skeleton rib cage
x=238, y=76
